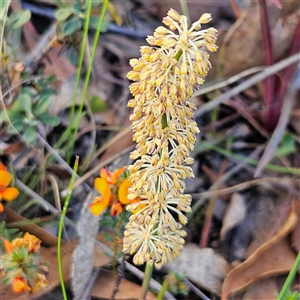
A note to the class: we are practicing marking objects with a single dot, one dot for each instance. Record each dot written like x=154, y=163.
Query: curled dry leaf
x=272, y=258
x=235, y=213
x=204, y=267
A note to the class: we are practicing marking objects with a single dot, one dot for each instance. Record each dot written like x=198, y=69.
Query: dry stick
x=60, y=159
x=244, y=113
x=224, y=83
x=222, y=179
x=44, y=45
x=46, y=204
x=245, y=185
x=279, y=130
x=96, y=169
x=247, y=83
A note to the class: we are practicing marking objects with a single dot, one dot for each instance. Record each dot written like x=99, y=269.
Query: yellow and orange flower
x=21, y=265
x=6, y=193
x=113, y=190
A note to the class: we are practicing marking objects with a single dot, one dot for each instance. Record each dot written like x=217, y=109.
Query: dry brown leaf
x=235, y=213
x=50, y=255
x=242, y=44
x=273, y=258
x=106, y=282
x=46, y=237
x=262, y=290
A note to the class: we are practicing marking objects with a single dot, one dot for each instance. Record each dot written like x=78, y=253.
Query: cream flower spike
x=174, y=64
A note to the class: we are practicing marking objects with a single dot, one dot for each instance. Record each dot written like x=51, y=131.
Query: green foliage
x=176, y=285
x=16, y=20
x=71, y=19
x=287, y=146
x=29, y=110
x=290, y=296
x=97, y=104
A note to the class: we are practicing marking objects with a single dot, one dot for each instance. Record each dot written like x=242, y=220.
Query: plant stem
x=163, y=289
x=146, y=281
x=61, y=224
x=290, y=278
x=89, y=69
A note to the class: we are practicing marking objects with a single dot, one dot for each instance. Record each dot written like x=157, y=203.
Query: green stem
x=146, y=281
x=250, y=161
x=89, y=70
x=61, y=225
x=290, y=278
x=163, y=289
x=178, y=54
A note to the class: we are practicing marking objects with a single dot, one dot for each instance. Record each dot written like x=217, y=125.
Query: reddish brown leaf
x=273, y=258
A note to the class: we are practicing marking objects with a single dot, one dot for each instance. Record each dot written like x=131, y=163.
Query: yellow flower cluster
x=165, y=77
x=21, y=265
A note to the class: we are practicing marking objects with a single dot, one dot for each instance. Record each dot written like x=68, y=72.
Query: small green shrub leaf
x=42, y=105
x=72, y=26
x=63, y=13
x=97, y=104
x=18, y=19
x=94, y=21
x=49, y=120
x=25, y=100
x=30, y=134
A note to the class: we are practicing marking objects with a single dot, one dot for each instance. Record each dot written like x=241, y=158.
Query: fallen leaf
x=235, y=213
x=273, y=258
x=262, y=290
x=205, y=267
x=106, y=282
x=46, y=237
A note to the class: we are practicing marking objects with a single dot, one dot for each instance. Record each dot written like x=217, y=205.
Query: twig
x=44, y=45
x=241, y=186
x=60, y=160
x=247, y=83
x=206, y=88
x=45, y=203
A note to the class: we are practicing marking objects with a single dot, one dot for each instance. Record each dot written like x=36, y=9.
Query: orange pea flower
x=114, y=192
x=31, y=242
x=8, y=246
x=116, y=209
x=19, y=285
x=6, y=193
